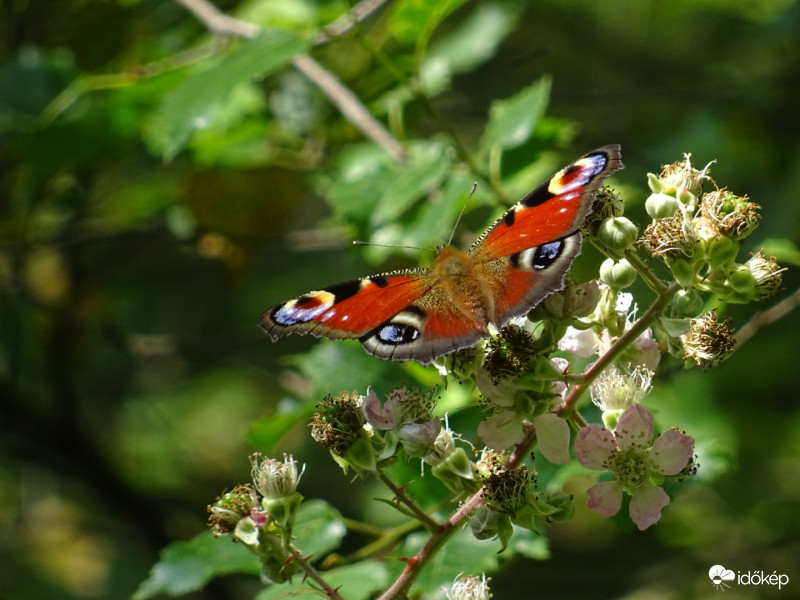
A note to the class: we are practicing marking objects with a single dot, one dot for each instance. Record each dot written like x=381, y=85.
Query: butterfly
x=421, y=314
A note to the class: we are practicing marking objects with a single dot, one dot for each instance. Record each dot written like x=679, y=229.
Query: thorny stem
x=623, y=342
x=312, y=573
x=401, y=496
x=415, y=565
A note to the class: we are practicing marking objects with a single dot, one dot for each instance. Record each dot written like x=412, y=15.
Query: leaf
x=354, y=582
x=474, y=41
x=195, y=102
x=188, y=566
x=513, y=120
x=318, y=528
x=413, y=21
x=462, y=554
x=426, y=168
x=266, y=433
x=783, y=249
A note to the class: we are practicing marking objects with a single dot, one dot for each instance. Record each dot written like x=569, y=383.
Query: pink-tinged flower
x=407, y=415
x=639, y=464
x=581, y=342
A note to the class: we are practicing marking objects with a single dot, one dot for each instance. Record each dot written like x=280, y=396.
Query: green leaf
x=318, y=528
x=413, y=21
x=266, y=433
x=474, y=41
x=195, y=103
x=784, y=250
x=355, y=582
x=462, y=554
x=188, y=566
x=512, y=121
x=426, y=168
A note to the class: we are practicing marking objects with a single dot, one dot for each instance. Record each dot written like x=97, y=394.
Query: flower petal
x=646, y=505
x=594, y=446
x=635, y=427
x=672, y=450
x=605, y=498
x=501, y=393
x=418, y=438
x=501, y=430
x=552, y=434
x=581, y=342
x=380, y=418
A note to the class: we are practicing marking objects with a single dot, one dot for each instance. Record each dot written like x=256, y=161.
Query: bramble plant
x=531, y=378
x=479, y=454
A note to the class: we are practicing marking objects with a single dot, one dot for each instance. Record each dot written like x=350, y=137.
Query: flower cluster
x=587, y=338
x=698, y=236
x=261, y=515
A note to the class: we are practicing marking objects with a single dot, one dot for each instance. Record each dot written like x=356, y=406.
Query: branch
x=768, y=317
x=345, y=100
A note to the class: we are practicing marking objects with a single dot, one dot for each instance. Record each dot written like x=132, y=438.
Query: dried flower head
x=274, y=478
x=338, y=421
x=679, y=177
x=767, y=273
x=708, y=341
x=671, y=237
x=731, y=215
x=230, y=508
x=509, y=353
x=470, y=588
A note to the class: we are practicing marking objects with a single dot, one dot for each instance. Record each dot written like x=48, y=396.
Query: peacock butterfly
x=420, y=314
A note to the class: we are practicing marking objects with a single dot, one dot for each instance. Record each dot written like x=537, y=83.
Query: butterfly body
x=420, y=314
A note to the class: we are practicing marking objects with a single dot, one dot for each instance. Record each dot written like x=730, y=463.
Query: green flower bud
x=682, y=270
x=562, y=506
x=687, y=198
x=741, y=280
x=617, y=233
x=485, y=523
x=661, y=206
x=617, y=274
x=721, y=252
x=686, y=304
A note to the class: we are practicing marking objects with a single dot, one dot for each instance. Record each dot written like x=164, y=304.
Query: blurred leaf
x=426, y=167
x=333, y=367
x=368, y=185
x=512, y=121
x=318, y=528
x=188, y=566
x=474, y=41
x=462, y=554
x=354, y=582
x=266, y=433
x=785, y=251
x=413, y=21
x=195, y=103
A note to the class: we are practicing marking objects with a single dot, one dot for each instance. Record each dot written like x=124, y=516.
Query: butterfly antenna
x=361, y=243
x=461, y=214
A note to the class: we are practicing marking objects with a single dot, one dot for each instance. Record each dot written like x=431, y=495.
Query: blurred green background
x=154, y=199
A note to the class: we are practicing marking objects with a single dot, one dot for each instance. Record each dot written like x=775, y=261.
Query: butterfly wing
x=526, y=253
x=399, y=316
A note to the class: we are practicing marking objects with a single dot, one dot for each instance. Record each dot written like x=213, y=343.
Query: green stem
x=619, y=346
